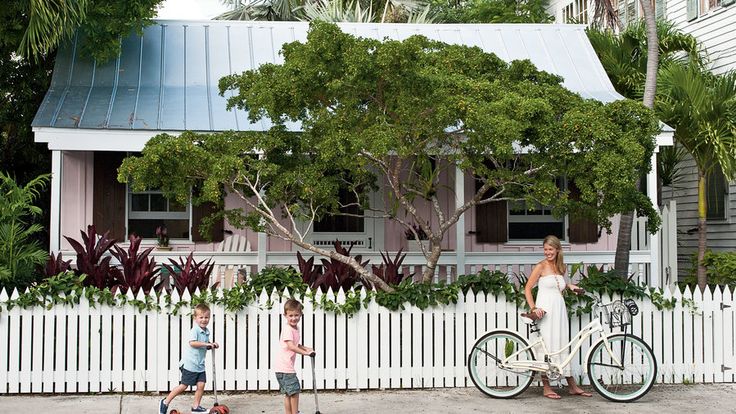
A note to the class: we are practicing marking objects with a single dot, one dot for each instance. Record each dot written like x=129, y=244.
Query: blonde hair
x=559, y=260
x=201, y=308
x=293, y=305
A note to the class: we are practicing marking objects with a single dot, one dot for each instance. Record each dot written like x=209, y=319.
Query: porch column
x=262, y=250
x=55, y=213
x=654, y=253
x=460, y=225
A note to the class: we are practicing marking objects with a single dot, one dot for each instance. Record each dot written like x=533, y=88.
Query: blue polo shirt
x=193, y=358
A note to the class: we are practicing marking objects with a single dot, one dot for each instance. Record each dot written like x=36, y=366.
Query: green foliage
x=485, y=281
x=421, y=295
x=278, y=278
x=492, y=11
x=20, y=254
x=611, y=283
x=720, y=267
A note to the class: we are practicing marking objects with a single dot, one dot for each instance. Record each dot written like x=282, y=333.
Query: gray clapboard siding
x=721, y=233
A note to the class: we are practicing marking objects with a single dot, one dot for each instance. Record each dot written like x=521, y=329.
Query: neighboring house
x=166, y=81
x=712, y=23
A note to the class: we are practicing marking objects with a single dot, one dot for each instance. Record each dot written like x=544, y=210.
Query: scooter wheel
x=174, y=412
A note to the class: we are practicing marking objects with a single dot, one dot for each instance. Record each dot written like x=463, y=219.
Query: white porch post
x=654, y=253
x=55, y=213
x=262, y=250
x=460, y=225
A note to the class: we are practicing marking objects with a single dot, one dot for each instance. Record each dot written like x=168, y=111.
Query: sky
x=191, y=9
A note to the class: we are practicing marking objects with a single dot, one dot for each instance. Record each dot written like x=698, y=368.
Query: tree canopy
x=398, y=113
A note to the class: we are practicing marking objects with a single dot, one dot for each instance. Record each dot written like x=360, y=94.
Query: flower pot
x=416, y=246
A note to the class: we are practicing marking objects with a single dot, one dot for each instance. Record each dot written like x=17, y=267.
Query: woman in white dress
x=548, y=274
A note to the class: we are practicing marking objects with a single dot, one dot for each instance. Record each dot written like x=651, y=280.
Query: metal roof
x=167, y=78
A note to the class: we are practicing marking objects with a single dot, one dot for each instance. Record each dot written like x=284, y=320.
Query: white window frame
x=155, y=215
x=370, y=239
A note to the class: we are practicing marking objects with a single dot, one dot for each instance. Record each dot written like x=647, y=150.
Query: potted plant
x=416, y=238
x=162, y=238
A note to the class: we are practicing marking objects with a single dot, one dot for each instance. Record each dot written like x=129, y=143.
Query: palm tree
x=365, y=11
x=50, y=23
x=702, y=108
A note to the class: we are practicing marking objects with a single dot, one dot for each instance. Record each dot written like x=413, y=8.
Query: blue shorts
x=192, y=378
x=288, y=383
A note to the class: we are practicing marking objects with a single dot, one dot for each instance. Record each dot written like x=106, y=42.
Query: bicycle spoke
x=487, y=369
x=626, y=381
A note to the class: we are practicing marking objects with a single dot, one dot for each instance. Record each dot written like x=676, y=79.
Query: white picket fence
x=83, y=348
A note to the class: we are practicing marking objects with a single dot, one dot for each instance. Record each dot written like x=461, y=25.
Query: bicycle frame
x=574, y=345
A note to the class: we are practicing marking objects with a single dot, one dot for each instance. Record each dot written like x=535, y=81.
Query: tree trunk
x=623, y=244
x=434, y=256
x=702, y=230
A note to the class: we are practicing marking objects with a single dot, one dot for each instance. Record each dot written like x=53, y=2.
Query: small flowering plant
x=419, y=233
x=162, y=236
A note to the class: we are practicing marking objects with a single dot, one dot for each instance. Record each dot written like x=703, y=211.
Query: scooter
x=217, y=409
x=314, y=384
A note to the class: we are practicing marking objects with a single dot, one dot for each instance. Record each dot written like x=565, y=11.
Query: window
x=716, y=195
x=340, y=223
x=534, y=222
x=568, y=13
x=628, y=11
x=581, y=11
x=149, y=209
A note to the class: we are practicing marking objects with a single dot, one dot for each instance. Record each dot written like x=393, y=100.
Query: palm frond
x=50, y=23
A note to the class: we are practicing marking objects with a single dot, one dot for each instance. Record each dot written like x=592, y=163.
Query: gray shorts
x=288, y=383
x=192, y=378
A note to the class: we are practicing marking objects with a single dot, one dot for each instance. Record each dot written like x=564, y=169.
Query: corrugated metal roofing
x=167, y=78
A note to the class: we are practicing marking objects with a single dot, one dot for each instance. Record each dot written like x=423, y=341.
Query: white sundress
x=554, y=326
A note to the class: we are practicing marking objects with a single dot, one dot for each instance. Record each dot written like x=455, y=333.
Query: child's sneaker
x=199, y=409
x=162, y=407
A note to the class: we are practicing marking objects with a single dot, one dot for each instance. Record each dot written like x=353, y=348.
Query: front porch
x=654, y=264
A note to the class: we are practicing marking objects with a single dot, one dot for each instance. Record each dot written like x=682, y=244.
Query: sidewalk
x=718, y=398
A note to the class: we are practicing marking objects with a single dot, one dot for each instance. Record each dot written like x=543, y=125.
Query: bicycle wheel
x=622, y=383
x=484, y=364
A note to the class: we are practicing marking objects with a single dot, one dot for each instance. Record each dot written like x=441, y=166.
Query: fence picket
x=99, y=349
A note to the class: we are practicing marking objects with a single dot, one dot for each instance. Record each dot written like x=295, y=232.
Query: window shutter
x=218, y=228
x=108, y=198
x=692, y=10
x=726, y=3
x=581, y=230
x=660, y=9
x=622, y=12
x=491, y=223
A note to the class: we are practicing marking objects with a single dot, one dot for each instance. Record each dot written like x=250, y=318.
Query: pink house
x=95, y=114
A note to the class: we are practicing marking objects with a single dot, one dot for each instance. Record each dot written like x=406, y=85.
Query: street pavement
x=699, y=398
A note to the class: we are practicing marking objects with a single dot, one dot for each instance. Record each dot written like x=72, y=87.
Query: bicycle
x=621, y=366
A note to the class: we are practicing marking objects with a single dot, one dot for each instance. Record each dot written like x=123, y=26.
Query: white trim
x=77, y=139
x=55, y=213
x=460, y=225
x=654, y=259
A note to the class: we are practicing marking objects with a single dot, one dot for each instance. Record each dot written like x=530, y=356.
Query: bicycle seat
x=529, y=317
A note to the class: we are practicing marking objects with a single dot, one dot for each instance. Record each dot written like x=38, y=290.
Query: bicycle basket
x=617, y=314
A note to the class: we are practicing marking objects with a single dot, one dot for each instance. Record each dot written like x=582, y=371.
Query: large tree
x=397, y=113
x=30, y=33
x=702, y=109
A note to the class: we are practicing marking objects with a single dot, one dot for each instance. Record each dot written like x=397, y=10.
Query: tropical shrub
x=138, y=270
x=20, y=253
x=720, y=268
x=92, y=260
x=55, y=265
x=310, y=273
x=390, y=270
x=188, y=275
x=278, y=278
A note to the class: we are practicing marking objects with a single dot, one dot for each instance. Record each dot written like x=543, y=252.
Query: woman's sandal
x=552, y=396
x=582, y=394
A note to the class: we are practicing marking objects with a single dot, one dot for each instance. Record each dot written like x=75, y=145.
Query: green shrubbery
x=720, y=269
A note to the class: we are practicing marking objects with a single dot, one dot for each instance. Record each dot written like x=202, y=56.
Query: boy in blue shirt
x=192, y=361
